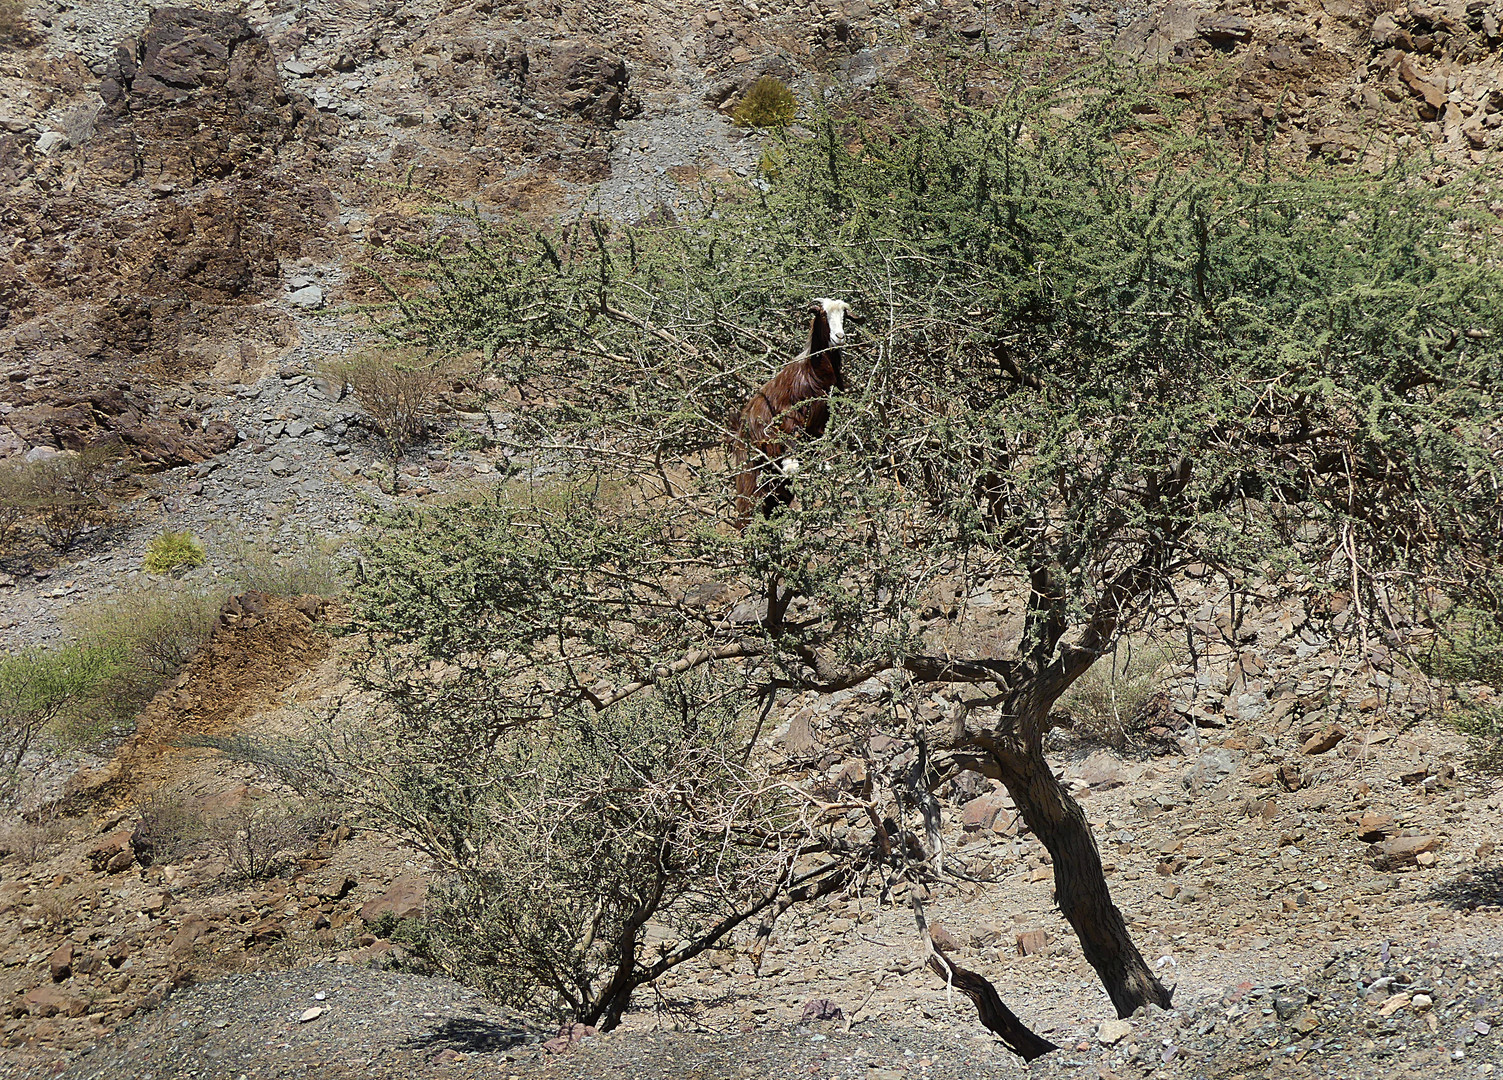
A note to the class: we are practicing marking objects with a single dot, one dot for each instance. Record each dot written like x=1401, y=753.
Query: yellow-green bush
x=768, y=104
x=170, y=550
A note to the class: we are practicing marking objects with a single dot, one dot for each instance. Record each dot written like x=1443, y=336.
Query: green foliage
x=43, y=692
x=169, y=550
x=1098, y=347
x=1095, y=347
x=768, y=104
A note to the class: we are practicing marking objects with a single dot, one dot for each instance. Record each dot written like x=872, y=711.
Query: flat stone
x=60, y=963
x=1111, y=1032
x=1324, y=740
x=1403, y=849
x=1032, y=941
x=406, y=899
x=982, y=812
x=1374, y=827
x=49, y=142
x=309, y=296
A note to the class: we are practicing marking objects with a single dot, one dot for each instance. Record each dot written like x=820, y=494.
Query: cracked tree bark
x=1080, y=887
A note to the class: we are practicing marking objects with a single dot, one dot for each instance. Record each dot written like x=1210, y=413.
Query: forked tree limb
x=995, y=1016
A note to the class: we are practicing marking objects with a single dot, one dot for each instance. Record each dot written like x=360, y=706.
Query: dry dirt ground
x=175, y=262
x=1310, y=905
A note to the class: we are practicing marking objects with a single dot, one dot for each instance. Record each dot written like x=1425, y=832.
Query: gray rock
x=1212, y=767
x=50, y=141
x=310, y=297
x=280, y=466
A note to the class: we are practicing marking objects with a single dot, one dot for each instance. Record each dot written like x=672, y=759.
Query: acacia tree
x=1096, y=349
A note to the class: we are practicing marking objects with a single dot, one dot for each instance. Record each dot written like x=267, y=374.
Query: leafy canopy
x=1096, y=347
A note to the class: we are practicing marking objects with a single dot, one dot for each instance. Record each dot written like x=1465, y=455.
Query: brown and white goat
x=793, y=406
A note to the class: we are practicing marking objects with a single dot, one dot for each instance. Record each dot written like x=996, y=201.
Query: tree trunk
x=607, y=1014
x=1079, y=883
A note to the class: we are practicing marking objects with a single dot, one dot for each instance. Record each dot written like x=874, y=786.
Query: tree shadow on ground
x=1482, y=887
x=469, y=1036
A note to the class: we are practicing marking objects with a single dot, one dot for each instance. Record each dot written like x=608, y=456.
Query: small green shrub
x=170, y=550
x=48, y=692
x=768, y=104
x=1106, y=704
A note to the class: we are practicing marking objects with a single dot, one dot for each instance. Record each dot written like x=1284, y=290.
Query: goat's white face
x=835, y=311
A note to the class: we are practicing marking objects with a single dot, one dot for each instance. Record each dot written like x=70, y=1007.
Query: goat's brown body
x=794, y=405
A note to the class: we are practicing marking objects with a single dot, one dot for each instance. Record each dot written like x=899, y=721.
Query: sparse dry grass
x=1106, y=704
x=307, y=565
x=398, y=389
x=32, y=841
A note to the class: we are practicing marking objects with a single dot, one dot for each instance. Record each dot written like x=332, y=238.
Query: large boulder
x=587, y=80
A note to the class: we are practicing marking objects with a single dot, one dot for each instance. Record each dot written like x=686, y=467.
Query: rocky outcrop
x=585, y=79
x=198, y=97
x=155, y=223
x=156, y=437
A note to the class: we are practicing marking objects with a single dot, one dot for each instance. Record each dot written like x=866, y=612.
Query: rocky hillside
x=198, y=200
